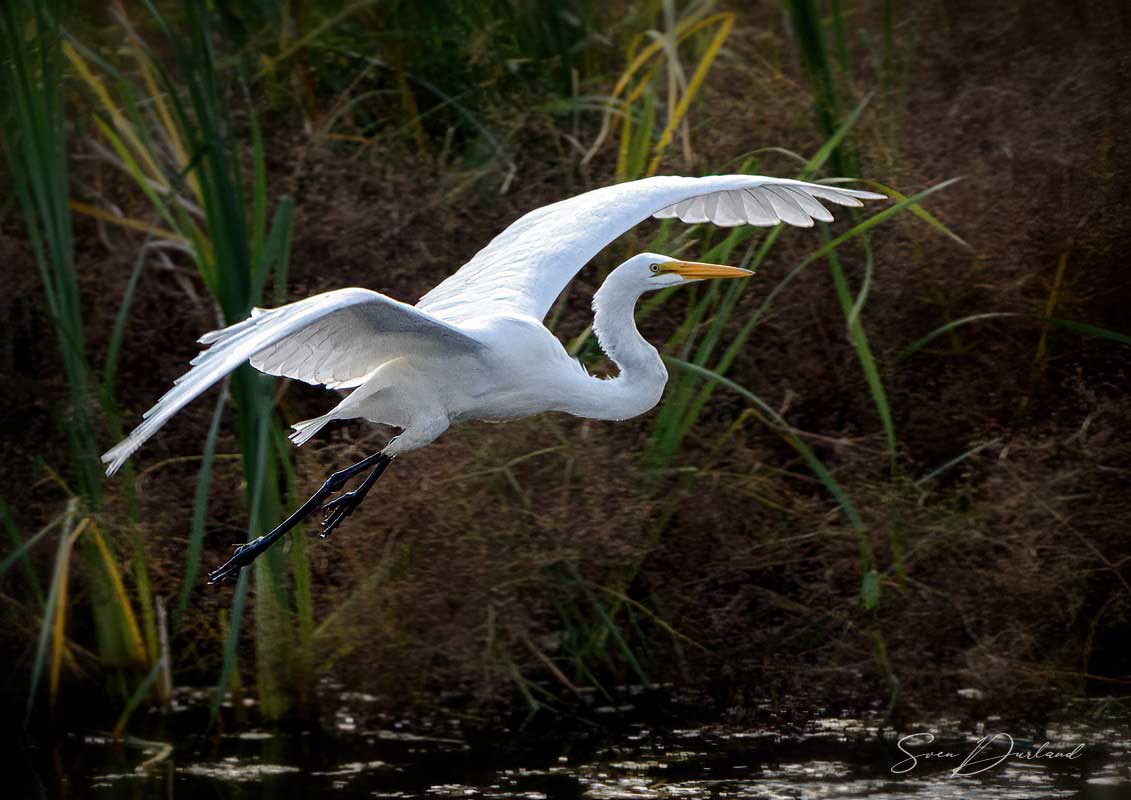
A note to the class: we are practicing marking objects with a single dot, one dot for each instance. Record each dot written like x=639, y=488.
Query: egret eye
x=654, y=267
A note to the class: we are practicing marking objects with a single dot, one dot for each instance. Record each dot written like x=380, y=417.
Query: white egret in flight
x=475, y=348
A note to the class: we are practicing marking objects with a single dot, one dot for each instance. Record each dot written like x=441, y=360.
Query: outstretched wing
x=525, y=268
x=336, y=338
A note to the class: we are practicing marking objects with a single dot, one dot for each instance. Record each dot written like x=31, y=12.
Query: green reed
x=175, y=137
x=34, y=137
x=241, y=252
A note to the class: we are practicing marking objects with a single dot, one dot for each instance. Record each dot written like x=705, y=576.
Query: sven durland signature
x=977, y=760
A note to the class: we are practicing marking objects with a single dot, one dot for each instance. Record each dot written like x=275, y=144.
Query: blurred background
x=889, y=473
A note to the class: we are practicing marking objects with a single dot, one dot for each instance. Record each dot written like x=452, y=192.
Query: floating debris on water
x=232, y=769
x=252, y=736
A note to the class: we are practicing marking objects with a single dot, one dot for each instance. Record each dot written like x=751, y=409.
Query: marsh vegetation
x=891, y=467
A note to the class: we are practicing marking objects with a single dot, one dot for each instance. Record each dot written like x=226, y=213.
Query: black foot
x=343, y=505
x=336, y=511
x=244, y=555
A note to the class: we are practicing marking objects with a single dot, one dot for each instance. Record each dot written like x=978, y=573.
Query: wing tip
x=862, y=194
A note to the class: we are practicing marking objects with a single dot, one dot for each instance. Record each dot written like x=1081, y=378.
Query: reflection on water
x=367, y=754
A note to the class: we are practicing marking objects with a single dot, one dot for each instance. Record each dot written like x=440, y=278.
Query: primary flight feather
x=474, y=347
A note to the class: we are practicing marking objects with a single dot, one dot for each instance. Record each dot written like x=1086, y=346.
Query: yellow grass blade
x=726, y=23
x=134, y=169
x=683, y=31
x=136, y=643
x=195, y=238
x=918, y=211
x=119, y=119
x=625, y=149
x=168, y=126
x=59, y=620
x=127, y=222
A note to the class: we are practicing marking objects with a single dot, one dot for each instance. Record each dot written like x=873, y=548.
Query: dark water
x=367, y=754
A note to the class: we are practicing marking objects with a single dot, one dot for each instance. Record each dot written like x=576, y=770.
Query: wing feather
x=786, y=208
x=758, y=211
x=729, y=211
x=335, y=338
x=523, y=270
x=809, y=204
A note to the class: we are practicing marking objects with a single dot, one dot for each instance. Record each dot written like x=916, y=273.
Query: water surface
x=364, y=753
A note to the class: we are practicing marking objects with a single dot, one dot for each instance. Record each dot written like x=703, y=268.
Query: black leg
x=342, y=506
x=246, y=553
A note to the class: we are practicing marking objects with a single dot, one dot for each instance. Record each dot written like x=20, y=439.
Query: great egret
x=475, y=348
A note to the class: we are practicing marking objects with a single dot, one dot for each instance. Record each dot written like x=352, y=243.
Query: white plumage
x=474, y=347
x=525, y=267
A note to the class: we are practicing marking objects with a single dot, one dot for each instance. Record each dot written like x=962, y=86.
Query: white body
x=475, y=348
x=521, y=370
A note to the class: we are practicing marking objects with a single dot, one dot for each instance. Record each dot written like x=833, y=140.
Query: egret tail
x=307, y=428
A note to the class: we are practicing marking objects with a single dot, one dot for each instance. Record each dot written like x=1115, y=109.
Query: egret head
x=652, y=271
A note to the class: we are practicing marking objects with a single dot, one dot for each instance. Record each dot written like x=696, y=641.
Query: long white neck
x=642, y=375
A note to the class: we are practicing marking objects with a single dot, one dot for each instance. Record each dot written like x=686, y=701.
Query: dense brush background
x=510, y=566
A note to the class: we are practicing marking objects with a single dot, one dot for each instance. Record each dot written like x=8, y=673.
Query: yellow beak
x=695, y=270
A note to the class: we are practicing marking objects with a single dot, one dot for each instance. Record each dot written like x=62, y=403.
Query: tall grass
x=171, y=132
x=714, y=332
x=435, y=75
x=34, y=136
x=177, y=140
x=656, y=70
x=36, y=149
